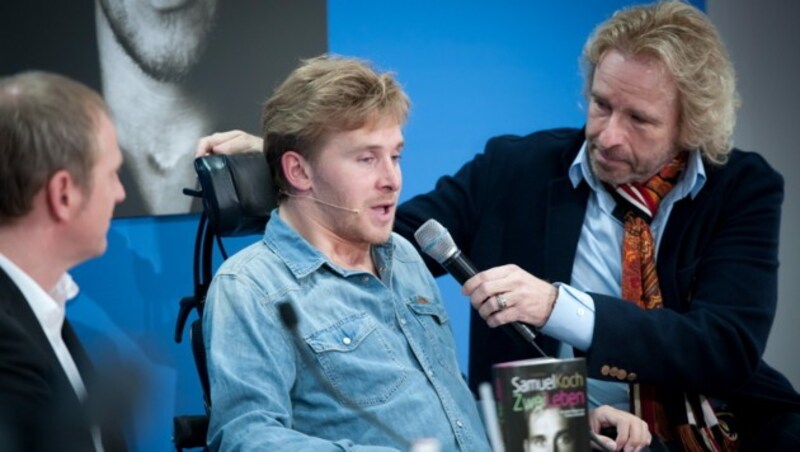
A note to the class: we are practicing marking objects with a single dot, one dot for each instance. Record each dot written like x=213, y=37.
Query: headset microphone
x=435, y=241
x=325, y=203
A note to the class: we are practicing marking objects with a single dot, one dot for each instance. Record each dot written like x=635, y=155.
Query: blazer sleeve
x=712, y=338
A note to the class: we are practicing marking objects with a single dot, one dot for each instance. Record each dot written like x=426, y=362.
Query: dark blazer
x=717, y=267
x=39, y=410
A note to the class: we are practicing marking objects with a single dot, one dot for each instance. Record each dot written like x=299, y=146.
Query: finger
x=488, y=307
x=224, y=143
x=488, y=299
x=482, y=292
x=204, y=147
x=492, y=274
x=648, y=438
x=639, y=436
x=252, y=143
x=473, y=283
x=499, y=318
x=623, y=433
x=240, y=143
x=607, y=442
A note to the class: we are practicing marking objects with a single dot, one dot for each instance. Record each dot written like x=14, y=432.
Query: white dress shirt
x=49, y=309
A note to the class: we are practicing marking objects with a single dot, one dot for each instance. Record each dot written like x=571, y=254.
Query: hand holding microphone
x=526, y=298
x=499, y=294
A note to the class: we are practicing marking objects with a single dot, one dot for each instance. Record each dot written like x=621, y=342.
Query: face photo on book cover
x=549, y=431
x=541, y=404
x=171, y=72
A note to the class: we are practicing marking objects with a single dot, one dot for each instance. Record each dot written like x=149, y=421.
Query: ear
x=62, y=195
x=297, y=170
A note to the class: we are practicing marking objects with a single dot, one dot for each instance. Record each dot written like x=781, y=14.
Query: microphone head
x=435, y=241
x=288, y=315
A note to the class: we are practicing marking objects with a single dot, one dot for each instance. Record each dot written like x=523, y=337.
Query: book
x=542, y=404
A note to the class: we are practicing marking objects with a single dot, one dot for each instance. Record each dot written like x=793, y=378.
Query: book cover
x=542, y=404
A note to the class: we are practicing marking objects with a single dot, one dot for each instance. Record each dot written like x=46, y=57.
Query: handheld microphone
x=435, y=241
x=289, y=319
x=325, y=203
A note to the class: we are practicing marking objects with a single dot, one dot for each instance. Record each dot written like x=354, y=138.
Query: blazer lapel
x=667, y=260
x=18, y=308
x=566, y=207
x=78, y=353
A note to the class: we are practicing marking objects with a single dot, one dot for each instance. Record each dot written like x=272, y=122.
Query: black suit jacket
x=39, y=409
x=717, y=267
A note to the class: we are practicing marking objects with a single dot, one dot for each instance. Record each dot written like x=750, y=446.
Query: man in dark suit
x=660, y=239
x=59, y=160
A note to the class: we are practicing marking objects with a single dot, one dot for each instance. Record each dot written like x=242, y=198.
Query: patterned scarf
x=695, y=424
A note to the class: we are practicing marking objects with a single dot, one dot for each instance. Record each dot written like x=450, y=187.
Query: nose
x=391, y=178
x=610, y=132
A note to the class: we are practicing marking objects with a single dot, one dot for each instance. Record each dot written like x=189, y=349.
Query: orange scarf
x=637, y=204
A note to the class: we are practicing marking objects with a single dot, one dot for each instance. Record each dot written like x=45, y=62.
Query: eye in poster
x=171, y=72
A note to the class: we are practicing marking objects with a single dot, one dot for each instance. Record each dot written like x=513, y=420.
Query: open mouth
x=384, y=209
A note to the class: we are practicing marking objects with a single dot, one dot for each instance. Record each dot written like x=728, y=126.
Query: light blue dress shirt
x=597, y=267
x=385, y=342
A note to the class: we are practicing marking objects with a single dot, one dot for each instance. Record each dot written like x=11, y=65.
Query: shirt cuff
x=572, y=319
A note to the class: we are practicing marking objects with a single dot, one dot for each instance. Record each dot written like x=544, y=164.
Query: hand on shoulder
x=230, y=142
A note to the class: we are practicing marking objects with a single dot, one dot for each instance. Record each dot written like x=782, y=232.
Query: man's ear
x=62, y=195
x=297, y=170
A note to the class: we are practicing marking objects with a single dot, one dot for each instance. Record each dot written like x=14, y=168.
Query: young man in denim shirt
x=369, y=310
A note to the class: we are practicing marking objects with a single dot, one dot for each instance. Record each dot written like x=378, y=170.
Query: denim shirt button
x=402, y=321
x=459, y=423
x=430, y=373
x=347, y=341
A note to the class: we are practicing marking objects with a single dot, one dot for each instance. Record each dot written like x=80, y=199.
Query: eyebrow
x=375, y=147
x=637, y=112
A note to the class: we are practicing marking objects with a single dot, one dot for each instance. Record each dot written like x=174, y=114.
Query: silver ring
x=501, y=301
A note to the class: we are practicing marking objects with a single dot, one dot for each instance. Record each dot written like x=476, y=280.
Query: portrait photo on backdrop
x=169, y=73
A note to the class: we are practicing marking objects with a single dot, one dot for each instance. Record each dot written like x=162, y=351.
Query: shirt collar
x=302, y=258
x=48, y=307
x=692, y=181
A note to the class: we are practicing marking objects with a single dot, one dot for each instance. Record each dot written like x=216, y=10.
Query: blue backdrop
x=472, y=70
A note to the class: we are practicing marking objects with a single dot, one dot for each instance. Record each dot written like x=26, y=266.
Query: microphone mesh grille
x=435, y=241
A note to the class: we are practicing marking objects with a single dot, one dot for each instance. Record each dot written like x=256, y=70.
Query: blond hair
x=687, y=43
x=323, y=95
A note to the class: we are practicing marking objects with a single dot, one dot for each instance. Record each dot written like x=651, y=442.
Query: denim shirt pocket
x=357, y=359
x=436, y=326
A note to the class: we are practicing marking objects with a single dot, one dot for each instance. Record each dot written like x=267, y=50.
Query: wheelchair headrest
x=237, y=192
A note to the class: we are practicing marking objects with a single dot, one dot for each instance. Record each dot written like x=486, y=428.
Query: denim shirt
x=385, y=342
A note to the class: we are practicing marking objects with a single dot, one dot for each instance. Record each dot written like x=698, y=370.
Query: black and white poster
x=171, y=72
